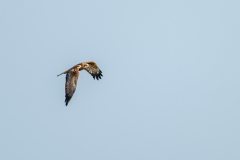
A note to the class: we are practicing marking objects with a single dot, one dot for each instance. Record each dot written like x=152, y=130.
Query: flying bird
x=73, y=74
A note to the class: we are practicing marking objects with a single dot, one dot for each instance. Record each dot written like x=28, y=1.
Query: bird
x=72, y=75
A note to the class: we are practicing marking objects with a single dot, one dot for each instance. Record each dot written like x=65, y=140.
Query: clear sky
x=170, y=89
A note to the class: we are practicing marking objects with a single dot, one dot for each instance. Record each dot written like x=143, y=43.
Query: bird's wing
x=70, y=85
x=92, y=68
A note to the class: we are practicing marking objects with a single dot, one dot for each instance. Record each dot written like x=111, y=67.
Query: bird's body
x=73, y=74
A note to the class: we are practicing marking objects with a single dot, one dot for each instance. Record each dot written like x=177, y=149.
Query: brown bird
x=72, y=77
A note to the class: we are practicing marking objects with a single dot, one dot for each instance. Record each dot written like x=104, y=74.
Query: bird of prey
x=72, y=77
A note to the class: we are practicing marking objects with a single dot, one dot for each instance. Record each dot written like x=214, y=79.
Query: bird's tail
x=60, y=74
x=63, y=73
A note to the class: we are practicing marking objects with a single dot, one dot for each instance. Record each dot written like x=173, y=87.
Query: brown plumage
x=73, y=74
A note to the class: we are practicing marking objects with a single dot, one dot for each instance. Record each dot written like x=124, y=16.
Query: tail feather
x=63, y=73
x=60, y=74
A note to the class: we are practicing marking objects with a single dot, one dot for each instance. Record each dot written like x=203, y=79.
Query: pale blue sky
x=170, y=89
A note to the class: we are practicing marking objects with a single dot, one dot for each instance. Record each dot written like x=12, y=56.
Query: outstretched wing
x=70, y=85
x=92, y=68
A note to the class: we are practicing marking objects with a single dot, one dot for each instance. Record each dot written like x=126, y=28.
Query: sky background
x=170, y=89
